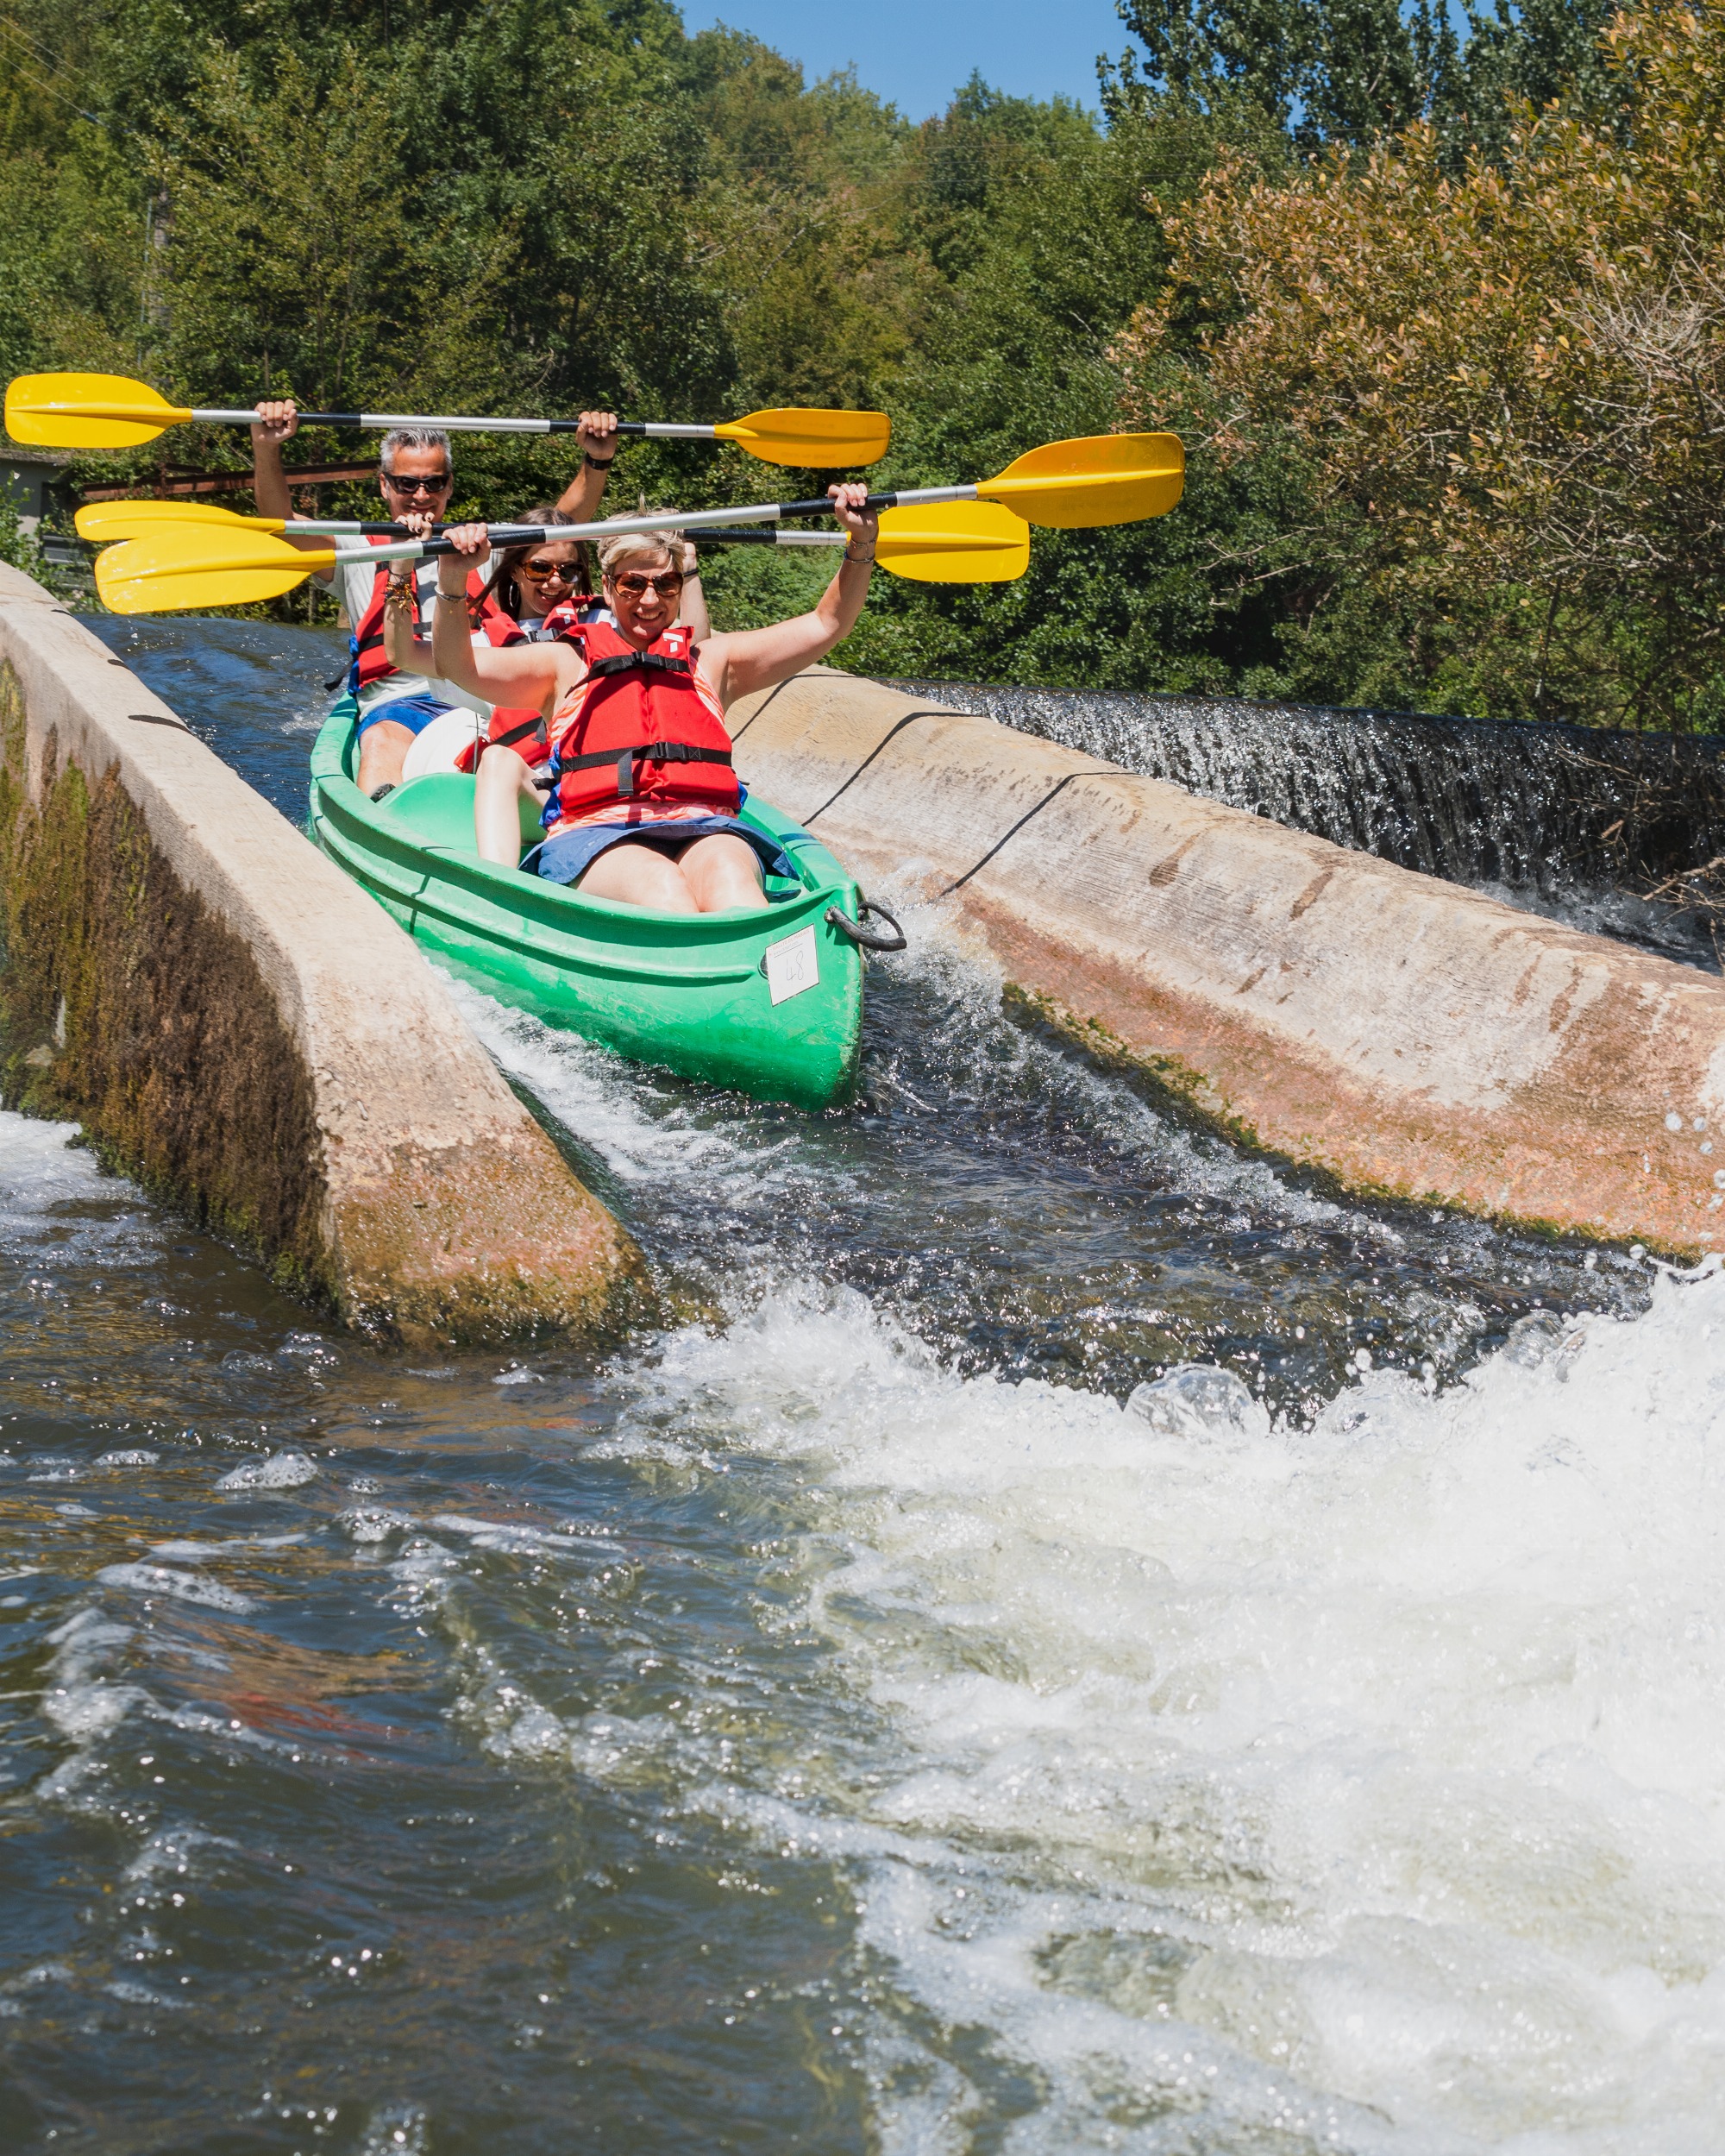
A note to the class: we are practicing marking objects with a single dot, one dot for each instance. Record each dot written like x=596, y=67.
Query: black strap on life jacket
x=621, y=662
x=520, y=733
x=650, y=752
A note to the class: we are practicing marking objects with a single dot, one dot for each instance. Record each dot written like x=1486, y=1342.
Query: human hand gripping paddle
x=110, y=411
x=971, y=534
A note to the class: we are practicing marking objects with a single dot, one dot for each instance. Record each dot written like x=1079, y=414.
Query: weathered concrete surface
x=1405, y=1037
x=240, y=1027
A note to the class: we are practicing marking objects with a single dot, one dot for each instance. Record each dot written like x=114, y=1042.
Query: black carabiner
x=870, y=938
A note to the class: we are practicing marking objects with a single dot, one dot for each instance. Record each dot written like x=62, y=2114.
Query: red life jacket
x=566, y=614
x=640, y=728
x=370, y=662
x=517, y=726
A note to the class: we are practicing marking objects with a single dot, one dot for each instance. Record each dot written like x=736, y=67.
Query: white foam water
x=41, y=1164
x=55, y=1200
x=1362, y=1784
x=1234, y=1785
x=1204, y=1782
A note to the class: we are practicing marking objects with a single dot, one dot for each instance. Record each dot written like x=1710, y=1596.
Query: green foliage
x=542, y=204
x=17, y=546
x=1331, y=72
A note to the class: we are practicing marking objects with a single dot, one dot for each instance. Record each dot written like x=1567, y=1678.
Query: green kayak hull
x=690, y=993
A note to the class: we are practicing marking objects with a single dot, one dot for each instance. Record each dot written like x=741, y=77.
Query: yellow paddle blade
x=810, y=437
x=954, y=543
x=1098, y=479
x=187, y=566
x=104, y=520
x=87, y=412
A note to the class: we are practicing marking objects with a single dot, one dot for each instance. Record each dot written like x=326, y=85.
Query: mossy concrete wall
x=243, y=1030
x=1404, y=1036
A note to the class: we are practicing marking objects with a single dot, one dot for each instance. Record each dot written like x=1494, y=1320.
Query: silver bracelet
x=864, y=561
x=455, y=598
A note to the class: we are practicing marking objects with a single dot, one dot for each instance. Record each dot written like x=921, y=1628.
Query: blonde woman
x=642, y=800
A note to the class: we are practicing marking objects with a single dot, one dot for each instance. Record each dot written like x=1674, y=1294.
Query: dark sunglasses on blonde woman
x=667, y=586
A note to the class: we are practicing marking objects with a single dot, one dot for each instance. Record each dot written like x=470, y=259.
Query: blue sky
x=918, y=55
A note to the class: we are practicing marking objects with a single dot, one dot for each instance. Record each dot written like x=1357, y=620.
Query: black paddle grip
x=823, y=508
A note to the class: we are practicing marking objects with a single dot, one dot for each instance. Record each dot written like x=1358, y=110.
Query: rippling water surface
x=842, y=1722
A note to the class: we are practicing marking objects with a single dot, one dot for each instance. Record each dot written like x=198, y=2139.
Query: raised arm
x=691, y=613
x=278, y=421
x=596, y=431
x=521, y=673
x=403, y=647
x=751, y=659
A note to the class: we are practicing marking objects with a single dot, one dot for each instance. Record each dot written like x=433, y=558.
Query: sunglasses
x=667, y=587
x=433, y=484
x=569, y=572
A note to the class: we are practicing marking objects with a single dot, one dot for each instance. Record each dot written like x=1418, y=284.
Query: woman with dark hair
x=548, y=586
x=529, y=581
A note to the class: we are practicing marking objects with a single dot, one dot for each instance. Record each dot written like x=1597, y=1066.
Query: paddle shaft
x=335, y=529
x=776, y=538
x=340, y=531
x=673, y=520
x=382, y=421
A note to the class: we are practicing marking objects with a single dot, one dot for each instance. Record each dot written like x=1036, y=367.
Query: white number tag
x=792, y=965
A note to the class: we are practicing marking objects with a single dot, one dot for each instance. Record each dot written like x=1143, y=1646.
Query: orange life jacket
x=566, y=614
x=517, y=727
x=370, y=663
x=641, y=726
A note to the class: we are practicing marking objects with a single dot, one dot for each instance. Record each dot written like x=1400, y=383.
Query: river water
x=842, y=1722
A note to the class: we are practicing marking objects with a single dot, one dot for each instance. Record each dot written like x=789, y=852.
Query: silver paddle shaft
x=383, y=421
x=670, y=520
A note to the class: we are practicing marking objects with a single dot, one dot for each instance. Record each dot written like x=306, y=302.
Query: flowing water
x=882, y=1711
x=1572, y=821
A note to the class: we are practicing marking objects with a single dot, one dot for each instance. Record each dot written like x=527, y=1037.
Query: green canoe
x=694, y=993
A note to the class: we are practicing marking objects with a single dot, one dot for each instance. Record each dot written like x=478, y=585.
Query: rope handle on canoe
x=870, y=938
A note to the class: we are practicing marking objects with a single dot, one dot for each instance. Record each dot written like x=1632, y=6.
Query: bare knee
x=504, y=774
x=724, y=873
x=383, y=750
x=502, y=819
x=639, y=875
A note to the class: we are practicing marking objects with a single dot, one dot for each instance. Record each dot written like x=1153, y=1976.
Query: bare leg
x=383, y=750
x=723, y=873
x=638, y=876
x=504, y=779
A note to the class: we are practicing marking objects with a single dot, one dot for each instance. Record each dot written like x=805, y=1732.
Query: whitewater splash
x=1364, y=1781
x=1208, y=1781
x=1195, y=1776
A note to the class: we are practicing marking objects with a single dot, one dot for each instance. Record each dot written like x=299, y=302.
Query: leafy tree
x=1508, y=387
x=1444, y=361
x=1335, y=71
